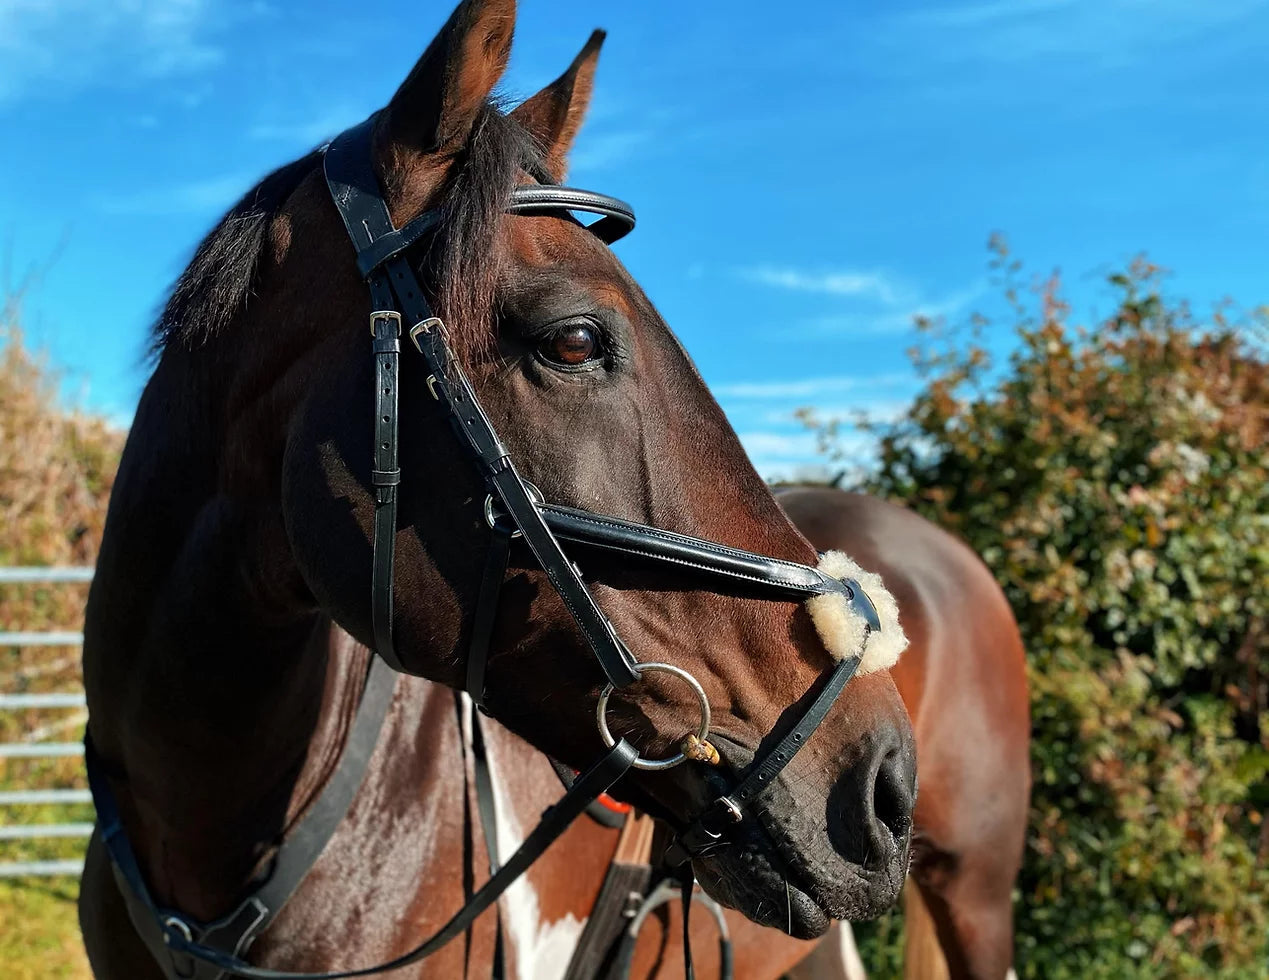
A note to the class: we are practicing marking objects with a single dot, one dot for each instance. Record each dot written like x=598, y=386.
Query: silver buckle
x=425, y=326
x=390, y=315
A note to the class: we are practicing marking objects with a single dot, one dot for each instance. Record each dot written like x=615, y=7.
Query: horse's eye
x=573, y=346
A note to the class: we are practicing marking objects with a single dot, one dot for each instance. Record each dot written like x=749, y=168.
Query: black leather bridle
x=513, y=508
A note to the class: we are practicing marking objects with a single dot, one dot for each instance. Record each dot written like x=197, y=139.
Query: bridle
x=513, y=508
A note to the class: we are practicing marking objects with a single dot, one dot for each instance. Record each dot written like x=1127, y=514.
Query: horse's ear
x=437, y=103
x=555, y=114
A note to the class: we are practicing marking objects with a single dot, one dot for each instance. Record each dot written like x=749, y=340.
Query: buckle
x=425, y=326
x=390, y=315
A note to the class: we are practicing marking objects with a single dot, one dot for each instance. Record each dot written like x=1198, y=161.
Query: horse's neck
x=218, y=696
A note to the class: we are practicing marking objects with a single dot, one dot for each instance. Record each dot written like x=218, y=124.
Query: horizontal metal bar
x=41, y=869
x=33, y=830
x=33, y=797
x=53, y=638
x=62, y=700
x=39, y=750
x=40, y=573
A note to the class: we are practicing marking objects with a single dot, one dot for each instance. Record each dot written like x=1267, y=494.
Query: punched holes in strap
x=385, y=329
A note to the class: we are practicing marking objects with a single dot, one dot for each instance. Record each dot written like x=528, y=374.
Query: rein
x=513, y=509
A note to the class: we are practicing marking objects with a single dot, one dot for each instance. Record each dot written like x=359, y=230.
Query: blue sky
x=807, y=176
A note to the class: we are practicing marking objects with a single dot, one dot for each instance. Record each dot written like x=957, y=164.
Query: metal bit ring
x=654, y=765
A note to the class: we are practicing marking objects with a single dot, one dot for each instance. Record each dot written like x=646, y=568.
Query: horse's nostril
x=872, y=806
x=891, y=798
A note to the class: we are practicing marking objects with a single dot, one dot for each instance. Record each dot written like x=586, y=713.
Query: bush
x=56, y=470
x=1114, y=479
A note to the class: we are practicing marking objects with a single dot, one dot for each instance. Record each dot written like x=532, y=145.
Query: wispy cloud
x=62, y=45
x=901, y=317
x=603, y=150
x=778, y=445
x=794, y=455
x=842, y=282
x=307, y=132
x=808, y=387
x=879, y=410
x=209, y=195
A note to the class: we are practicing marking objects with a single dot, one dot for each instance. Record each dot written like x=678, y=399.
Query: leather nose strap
x=710, y=829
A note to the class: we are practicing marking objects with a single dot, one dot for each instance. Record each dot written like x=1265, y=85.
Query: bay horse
x=963, y=681
x=294, y=495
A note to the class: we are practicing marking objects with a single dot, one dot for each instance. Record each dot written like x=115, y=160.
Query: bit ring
x=702, y=731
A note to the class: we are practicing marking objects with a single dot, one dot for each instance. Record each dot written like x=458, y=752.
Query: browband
x=616, y=220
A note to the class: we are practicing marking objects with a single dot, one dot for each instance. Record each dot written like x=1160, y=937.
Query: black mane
x=219, y=281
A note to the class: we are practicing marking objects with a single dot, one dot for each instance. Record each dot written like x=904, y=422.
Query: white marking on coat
x=542, y=950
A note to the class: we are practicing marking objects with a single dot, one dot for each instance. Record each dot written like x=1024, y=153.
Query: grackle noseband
x=513, y=509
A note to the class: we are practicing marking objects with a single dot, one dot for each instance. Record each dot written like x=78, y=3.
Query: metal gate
x=33, y=746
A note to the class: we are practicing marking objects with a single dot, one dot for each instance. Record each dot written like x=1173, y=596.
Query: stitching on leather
x=730, y=573
x=671, y=538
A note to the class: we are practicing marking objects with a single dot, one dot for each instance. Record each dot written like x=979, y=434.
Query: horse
x=294, y=495
x=963, y=681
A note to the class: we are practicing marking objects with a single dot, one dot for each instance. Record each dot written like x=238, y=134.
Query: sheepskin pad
x=843, y=630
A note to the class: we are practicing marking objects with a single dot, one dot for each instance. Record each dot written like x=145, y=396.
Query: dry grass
x=56, y=470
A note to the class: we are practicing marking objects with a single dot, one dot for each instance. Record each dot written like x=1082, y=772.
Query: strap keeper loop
x=385, y=478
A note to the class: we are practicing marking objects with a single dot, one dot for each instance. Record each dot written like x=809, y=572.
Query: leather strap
x=234, y=933
x=618, y=217
x=686, y=883
x=625, y=886
x=391, y=244
x=487, y=808
x=353, y=187
x=778, y=579
x=709, y=830
x=308, y=838
x=496, y=558
x=386, y=325
x=597, y=811
x=614, y=764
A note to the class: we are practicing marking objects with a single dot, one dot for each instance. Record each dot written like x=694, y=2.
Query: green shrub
x=1114, y=479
